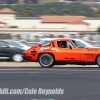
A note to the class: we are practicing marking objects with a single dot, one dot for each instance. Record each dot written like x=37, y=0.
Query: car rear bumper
x=28, y=58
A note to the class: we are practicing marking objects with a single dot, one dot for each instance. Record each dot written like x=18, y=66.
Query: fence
x=36, y=36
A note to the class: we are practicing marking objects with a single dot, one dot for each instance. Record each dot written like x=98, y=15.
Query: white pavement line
x=71, y=70
x=84, y=70
x=32, y=73
x=54, y=72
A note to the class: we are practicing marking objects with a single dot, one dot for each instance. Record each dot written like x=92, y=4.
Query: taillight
x=34, y=52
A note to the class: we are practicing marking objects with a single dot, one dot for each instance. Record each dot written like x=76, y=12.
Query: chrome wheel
x=46, y=60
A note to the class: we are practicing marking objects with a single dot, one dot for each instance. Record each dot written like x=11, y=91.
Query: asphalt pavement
x=70, y=83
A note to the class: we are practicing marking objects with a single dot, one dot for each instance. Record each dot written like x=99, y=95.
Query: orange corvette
x=58, y=51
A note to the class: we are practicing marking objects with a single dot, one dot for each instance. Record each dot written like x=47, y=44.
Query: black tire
x=98, y=60
x=46, y=60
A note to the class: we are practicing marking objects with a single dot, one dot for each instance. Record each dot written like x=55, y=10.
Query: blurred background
x=33, y=20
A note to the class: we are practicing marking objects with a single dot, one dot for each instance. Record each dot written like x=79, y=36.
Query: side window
x=3, y=44
x=64, y=44
x=61, y=44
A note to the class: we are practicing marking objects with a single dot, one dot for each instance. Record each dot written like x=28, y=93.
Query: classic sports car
x=58, y=51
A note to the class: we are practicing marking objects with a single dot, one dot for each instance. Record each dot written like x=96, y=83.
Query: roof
x=7, y=11
x=80, y=22
x=63, y=19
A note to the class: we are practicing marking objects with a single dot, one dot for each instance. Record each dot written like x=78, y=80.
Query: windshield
x=81, y=43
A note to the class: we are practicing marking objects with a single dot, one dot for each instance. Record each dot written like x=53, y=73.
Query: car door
x=5, y=52
x=69, y=52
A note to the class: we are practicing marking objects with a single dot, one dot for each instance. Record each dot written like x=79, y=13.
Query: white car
x=19, y=44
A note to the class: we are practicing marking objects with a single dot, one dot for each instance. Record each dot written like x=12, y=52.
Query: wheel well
x=45, y=53
x=96, y=58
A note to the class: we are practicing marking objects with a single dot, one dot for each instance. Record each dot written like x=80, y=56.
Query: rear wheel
x=17, y=57
x=46, y=60
x=98, y=60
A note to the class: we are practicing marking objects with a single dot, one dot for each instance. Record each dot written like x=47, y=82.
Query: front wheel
x=46, y=60
x=98, y=60
x=17, y=57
